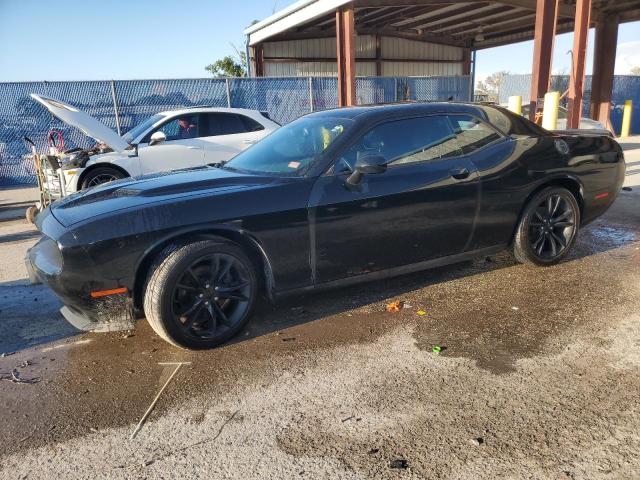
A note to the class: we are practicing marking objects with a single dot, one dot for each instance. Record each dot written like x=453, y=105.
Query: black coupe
x=333, y=198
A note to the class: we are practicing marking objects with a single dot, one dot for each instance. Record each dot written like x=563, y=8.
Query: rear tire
x=201, y=294
x=100, y=175
x=548, y=227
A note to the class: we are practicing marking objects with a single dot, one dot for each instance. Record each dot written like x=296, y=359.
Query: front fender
x=226, y=232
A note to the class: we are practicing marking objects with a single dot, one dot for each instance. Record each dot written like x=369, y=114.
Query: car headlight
x=46, y=256
x=69, y=161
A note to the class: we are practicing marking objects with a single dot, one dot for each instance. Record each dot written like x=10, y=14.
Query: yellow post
x=626, y=119
x=550, y=110
x=515, y=104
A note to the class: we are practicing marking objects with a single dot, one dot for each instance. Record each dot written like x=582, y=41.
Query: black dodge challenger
x=333, y=198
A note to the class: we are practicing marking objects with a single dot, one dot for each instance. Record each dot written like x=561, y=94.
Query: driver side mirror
x=157, y=137
x=367, y=164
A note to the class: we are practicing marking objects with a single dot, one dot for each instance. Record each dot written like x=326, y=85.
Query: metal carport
x=462, y=26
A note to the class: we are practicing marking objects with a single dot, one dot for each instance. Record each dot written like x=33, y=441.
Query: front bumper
x=105, y=314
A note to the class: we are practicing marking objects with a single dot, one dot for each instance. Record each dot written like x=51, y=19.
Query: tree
x=490, y=86
x=230, y=65
x=635, y=70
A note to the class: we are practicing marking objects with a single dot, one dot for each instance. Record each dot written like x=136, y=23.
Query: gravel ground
x=538, y=377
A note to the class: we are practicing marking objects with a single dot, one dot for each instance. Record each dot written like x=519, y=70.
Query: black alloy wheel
x=553, y=226
x=211, y=296
x=102, y=178
x=200, y=294
x=548, y=227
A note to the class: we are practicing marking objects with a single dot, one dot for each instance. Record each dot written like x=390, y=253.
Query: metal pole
x=472, y=87
x=228, y=92
x=395, y=84
x=311, y=94
x=114, y=97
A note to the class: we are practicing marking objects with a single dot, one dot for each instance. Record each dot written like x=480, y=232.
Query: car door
x=227, y=134
x=421, y=208
x=183, y=147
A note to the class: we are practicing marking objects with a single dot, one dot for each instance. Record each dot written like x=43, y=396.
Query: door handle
x=249, y=142
x=193, y=148
x=460, y=173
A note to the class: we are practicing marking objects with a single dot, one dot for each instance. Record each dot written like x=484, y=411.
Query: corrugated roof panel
x=393, y=47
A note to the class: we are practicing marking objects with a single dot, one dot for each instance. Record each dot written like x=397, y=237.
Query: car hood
x=161, y=187
x=84, y=122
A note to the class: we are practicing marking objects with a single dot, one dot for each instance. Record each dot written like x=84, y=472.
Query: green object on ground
x=436, y=349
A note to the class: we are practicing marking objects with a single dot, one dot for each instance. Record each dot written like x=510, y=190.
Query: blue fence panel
x=19, y=115
x=325, y=93
x=372, y=90
x=439, y=88
x=284, y=98
x=626, y=87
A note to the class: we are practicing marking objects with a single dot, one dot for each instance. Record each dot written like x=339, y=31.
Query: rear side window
x=405, y=142
x=250, y=124
x=214, y=124
x=471, y=133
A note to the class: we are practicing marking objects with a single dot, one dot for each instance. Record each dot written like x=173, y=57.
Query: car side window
x=214, y=124
x=250, y=124
x=181, y=127
x=471, y=133
x=404, y=142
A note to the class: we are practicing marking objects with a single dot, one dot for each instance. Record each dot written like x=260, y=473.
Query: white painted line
x=64, y=345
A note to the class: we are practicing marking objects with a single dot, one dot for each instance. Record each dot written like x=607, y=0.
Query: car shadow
x=20, y=236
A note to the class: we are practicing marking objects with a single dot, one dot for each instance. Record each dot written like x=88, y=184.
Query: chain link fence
x=122, y=104
x=625, y=87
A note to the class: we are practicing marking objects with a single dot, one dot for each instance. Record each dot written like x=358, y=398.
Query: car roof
x=375, y=112
x=209, y=109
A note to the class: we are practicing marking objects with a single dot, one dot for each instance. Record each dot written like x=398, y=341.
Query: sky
x=117, y=39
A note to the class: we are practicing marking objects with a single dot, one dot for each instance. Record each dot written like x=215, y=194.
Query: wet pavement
x=539, y=375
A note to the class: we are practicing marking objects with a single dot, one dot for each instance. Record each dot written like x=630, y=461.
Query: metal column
x=576, y=82
x=604, y=62
x=545, y=31
x=346, y=56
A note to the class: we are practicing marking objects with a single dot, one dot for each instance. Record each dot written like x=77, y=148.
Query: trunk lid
x=84, y=122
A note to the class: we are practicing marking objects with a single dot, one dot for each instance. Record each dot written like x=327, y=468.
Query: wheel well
x=100, y=165
x=570, y=184
x=253, y=251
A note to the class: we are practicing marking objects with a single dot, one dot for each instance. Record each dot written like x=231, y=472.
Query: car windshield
x=290, y=150
x=139, y=129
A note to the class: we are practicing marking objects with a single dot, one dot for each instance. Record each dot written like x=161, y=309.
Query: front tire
x=100, y=175
x=548, y=227
x=201, y=294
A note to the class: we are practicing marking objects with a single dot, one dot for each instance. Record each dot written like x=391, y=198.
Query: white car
x=171, y=140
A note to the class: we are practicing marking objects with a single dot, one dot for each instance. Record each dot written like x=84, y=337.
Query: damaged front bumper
x=104, y=314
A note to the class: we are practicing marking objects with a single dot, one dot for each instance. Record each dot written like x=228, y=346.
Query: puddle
x=612, y=236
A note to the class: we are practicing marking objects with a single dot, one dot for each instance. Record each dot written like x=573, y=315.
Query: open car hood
x=84, y=122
